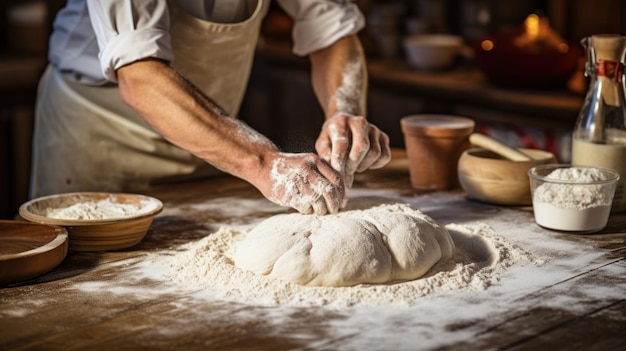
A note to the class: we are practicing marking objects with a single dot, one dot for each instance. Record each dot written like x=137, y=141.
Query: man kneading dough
x=141, y=91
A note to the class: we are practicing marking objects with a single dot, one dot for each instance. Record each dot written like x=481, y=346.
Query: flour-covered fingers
x=326, y=197
x=329, y=198
x=331, y=186
x=306, y=183
x=319, y=207
x=378, y=153
x=323, y=146
x=333, y=201
x=385, y=151
x=350, y=144
x=359, y=150
x=348, y=180
x=304, y=208
x=340, y=136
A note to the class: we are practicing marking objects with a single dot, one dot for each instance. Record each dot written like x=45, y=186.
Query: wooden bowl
x=28, y=250
x=487, y=177
x=96, y=221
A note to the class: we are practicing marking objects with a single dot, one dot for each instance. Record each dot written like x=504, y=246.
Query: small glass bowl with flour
x=572, y=198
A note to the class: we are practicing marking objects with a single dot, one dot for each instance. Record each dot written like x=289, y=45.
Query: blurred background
x=517, y=90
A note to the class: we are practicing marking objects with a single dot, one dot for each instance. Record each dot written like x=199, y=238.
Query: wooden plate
x=28, y=250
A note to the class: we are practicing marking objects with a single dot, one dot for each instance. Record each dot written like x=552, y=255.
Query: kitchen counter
x=573, y=297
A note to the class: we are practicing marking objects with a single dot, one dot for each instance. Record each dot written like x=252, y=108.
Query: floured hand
x=306, y=183
x=350, y=144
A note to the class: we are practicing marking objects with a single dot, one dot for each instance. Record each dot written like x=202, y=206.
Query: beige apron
x=87, y=139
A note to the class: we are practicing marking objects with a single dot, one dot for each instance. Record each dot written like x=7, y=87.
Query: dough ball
x=365, y=243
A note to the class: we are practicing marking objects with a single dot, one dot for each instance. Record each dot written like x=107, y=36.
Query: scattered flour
x=206, y=266
x=106, y=208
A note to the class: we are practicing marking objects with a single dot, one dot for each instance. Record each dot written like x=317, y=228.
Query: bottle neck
x=614, y=70
x=606, y=81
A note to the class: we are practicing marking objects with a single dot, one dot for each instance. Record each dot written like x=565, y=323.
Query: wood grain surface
x=84, y=304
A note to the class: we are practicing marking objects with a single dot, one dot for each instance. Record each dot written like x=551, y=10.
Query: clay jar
x=434, y=144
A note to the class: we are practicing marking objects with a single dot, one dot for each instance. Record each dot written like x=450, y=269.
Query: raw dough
x=368, y=242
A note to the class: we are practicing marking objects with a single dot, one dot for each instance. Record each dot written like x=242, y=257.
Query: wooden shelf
x=280, y=87
x=468, y=87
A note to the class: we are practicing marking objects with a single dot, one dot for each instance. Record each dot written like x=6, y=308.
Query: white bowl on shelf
x=432, y=52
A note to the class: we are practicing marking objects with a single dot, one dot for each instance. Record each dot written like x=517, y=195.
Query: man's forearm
x=339, y=76
x=189, y=119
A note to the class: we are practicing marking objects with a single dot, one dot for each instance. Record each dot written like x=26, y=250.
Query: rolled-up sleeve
x=319, y=23
x=129, y=30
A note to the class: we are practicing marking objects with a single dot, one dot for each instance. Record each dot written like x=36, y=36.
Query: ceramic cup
x=434, y=144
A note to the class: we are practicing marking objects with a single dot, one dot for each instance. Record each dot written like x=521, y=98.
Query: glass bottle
x=599, y=137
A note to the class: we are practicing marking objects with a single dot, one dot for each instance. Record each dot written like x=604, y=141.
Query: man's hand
x=304, y=182
x=191, y=120
x=350, y=144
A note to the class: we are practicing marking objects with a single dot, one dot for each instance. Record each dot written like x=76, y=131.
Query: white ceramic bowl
x=572, y=198
x=432, y=52
x=96, y=221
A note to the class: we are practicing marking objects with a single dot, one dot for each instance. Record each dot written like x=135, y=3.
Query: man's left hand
x=350, y=144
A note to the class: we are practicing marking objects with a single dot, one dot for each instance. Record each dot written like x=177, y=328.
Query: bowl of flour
x=96, y=221
x=572, y=198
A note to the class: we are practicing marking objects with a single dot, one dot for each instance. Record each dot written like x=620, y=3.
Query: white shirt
x=93, y=38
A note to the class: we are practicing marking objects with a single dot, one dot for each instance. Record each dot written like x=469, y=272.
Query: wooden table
x=572, y=302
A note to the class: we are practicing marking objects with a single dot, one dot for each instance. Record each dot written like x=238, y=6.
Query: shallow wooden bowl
x=487, y=177
x=28, y=250
x=110, y=232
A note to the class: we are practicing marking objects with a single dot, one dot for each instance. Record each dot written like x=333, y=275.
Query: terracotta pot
x=434, y=144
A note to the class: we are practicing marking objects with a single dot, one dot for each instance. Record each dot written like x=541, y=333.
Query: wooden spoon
x=499, y=148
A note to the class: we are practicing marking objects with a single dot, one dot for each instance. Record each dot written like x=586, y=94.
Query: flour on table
x=105, y=208
x=366, y=243
x=206, y=268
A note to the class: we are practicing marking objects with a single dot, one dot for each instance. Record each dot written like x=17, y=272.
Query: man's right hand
x=306, y=183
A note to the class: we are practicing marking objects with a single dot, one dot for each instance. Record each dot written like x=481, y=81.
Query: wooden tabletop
x=575, y=300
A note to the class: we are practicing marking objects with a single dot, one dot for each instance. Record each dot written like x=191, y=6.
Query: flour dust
x=91, y=209
x=206, y=268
